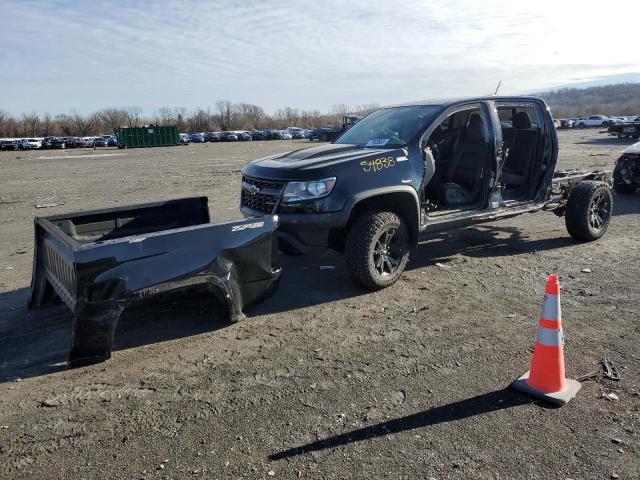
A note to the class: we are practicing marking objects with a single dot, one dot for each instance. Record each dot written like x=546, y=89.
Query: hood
x=632, y=149
x=301, y=163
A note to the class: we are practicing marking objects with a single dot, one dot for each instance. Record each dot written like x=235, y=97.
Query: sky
x=89, y=55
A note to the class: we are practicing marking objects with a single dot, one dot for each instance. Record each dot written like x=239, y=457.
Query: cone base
x=559, y=398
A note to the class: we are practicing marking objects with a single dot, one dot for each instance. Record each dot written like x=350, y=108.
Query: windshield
x=390, y=127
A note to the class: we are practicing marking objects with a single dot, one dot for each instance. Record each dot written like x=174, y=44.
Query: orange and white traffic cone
x=546, y=379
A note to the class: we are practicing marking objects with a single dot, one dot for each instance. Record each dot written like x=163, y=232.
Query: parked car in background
x=285, y=135
x=626, y=129
x=269, y=134
x=293, y=131
x=196, y=138
x=566, y=123
x=229, y=137
x=184, y=139
x=9, y=145
x=593, y=121
x=257, y=135
x=276, y=135
x=99, y=142
x=23, y=144
x=112, y=141
x=71, y=142
x=298, y=134
x=35, y=143
x=245, y=136
x=53, y=143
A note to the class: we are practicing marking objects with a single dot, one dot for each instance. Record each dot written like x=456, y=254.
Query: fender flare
x=414, y=222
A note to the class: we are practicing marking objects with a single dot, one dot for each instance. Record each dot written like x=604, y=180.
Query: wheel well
x=402, y=204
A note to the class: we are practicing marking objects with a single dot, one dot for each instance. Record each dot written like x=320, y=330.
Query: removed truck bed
x=98, y=262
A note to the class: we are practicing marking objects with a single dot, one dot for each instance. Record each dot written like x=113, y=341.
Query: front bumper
x=306, y=232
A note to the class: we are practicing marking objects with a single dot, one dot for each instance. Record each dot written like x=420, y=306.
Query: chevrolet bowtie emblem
x=254, y=190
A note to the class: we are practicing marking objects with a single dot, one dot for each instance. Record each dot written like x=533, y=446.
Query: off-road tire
x=361, y=242
x=578, y=210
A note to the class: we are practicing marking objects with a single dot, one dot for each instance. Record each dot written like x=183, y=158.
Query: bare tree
x=113, y=118
x=227, y=113
x=30, y=122
x=133, y=116
x=166, y=116
x=84, y=125
x=4, y=122
x=199, y=121
x=252, y=116
x=180, y=113
x=65, y=124
x=48, y=127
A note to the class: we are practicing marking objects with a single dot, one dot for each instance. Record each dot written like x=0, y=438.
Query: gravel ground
x=322, y=380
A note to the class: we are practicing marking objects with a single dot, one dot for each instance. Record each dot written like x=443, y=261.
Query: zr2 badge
x=239, y=228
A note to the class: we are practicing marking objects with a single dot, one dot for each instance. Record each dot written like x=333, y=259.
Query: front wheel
x=377, y=249
x=588, y=211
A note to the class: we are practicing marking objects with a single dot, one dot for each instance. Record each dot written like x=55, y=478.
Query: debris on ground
x=609, y=370
x=48, y=205
x=586, y=270
x=443, y=266
x=611, y=396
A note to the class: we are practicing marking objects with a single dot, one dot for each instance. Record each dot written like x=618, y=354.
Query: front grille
x=262, y=203
x=260, y=194
x=263, y=183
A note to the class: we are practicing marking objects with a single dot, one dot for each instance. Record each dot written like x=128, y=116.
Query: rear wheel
x=588, y=210
x=377, y=249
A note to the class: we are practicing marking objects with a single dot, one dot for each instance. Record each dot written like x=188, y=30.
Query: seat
x=520, y=152
x=462, y=179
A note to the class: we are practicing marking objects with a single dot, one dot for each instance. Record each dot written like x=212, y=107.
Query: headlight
x=300, y=191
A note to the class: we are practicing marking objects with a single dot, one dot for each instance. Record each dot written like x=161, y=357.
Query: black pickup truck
x=406, y=171
x=626, y=129
x=98, y=262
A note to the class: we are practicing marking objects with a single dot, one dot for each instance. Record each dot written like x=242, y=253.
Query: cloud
x=276, y=53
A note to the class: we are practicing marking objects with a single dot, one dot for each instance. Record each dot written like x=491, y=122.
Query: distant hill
x=618, y=99
x=602, y=81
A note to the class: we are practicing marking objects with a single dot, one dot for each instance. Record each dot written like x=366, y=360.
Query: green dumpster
x=151, y=136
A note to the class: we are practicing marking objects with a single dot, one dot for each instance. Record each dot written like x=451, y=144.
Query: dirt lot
x=322, y=380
